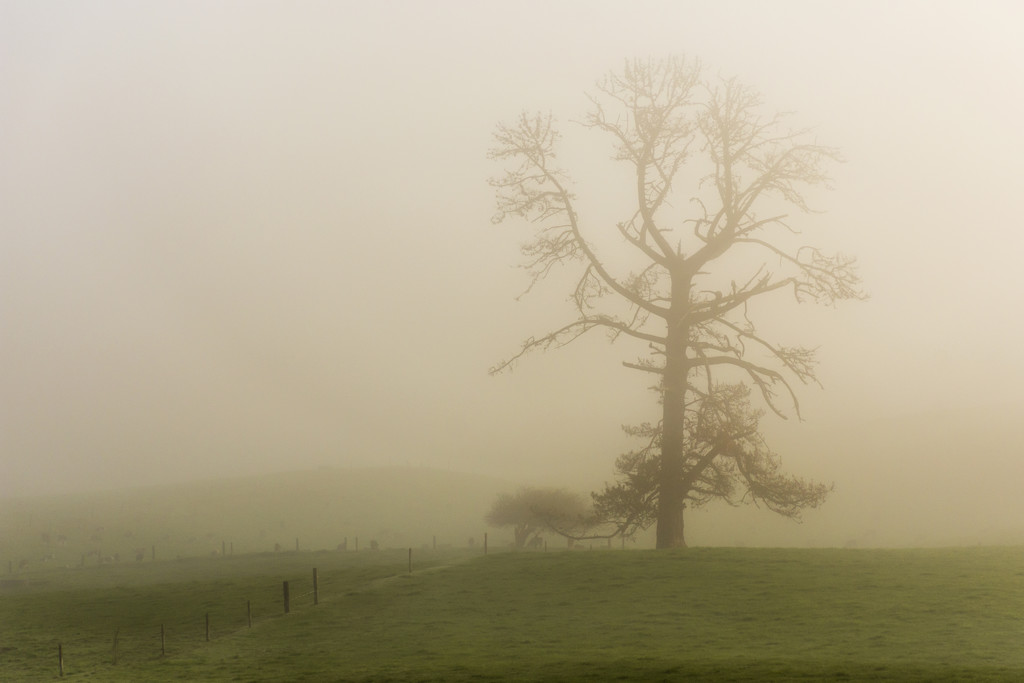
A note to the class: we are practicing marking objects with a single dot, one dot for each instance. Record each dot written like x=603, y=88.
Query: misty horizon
x=242, y=239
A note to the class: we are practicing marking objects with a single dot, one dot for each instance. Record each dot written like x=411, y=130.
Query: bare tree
x=690, y=300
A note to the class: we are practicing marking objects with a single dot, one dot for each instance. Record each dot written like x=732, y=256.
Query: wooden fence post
x=296, y=544
x=316, y=588
x=485, y=543
x=248, y=612
x=287, y=606
x=232, y=547
x=207, y=627
x=60, y=658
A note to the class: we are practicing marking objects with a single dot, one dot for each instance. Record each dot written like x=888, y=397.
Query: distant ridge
x=932, y=478
x=321, y=508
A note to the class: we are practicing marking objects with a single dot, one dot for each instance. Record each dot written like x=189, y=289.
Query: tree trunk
x=670, y=529
x=671, y=493
x=670, y=487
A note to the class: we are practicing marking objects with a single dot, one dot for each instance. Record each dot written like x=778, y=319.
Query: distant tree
x=690, y=290
x=532, y=511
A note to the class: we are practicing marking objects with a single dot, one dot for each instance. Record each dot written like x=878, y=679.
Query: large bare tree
x=714, y=180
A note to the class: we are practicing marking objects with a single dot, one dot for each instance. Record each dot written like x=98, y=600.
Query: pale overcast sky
x=241, y=237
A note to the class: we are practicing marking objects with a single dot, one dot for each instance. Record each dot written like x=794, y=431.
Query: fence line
x=128, y=553
x=290, y=599
x=130, y=646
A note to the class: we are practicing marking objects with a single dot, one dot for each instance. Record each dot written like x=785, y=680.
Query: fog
x=249, y=237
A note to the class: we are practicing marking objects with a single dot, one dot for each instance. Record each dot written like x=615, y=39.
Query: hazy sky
x=243, y=237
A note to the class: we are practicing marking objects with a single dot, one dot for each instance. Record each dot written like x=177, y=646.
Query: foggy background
x=249, y=237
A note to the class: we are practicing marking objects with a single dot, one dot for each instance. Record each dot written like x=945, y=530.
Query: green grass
x=82, y=608
x=701, y=613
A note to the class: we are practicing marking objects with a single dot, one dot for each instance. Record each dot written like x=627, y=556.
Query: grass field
x=701, y=613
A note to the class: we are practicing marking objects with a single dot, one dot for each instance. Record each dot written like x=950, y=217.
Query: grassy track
x=704, y=614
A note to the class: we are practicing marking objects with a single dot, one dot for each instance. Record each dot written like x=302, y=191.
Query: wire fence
x=183, y=629
x=123, y=624
x=122, y=631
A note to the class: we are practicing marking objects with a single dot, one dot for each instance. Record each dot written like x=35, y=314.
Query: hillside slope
x=396, y=507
